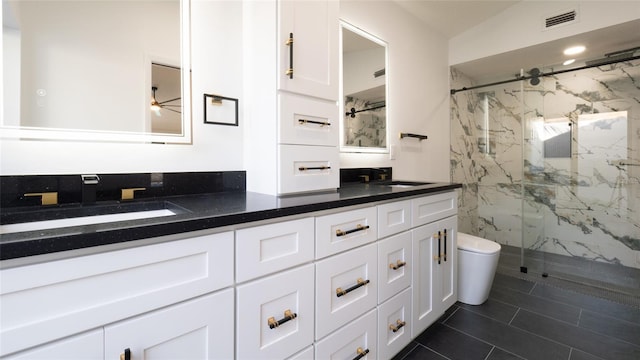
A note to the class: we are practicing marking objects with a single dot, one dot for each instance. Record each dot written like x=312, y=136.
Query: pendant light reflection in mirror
x=364, y=92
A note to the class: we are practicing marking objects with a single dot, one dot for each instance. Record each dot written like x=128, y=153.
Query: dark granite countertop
x=200, y=212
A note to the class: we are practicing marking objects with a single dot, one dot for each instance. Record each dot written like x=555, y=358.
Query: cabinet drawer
x=394, y=329
x=308, y=168
x=394, y=265
x=197, y=329
x=265, y=249
x=88, y=291
x=259, y=336
x=393, y=218
x=346, y=230
x=433, y=207
x=307, y=121
x=85, y=346
x=306, y=354
x=345, y=288
x=359, y=336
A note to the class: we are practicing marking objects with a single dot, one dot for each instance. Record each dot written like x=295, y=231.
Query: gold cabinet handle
x=288, y=315
x=128, y=194
x=46, y=198
x=359, y=227
x=340, y=292
x=126, y=355
x=361, y=353
x=321, y=123
x=304, y=168
x=397, y=326
x=289, y=43
x=397, y=265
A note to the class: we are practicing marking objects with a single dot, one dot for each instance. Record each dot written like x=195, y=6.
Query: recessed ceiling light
x=569, y=62
x=574, y=50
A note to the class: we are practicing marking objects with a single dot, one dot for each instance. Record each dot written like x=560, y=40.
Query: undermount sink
x=403, y=184
x=67, y=216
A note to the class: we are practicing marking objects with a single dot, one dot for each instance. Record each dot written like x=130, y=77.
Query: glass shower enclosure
x=551, y=169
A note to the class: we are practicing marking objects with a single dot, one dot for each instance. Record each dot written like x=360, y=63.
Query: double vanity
x=354, y=273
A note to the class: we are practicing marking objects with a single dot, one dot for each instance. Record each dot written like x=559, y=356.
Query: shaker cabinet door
x=394, y=265
x=196, y=329
x=309, y=63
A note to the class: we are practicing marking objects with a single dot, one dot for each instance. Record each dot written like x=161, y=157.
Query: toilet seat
x=477, y=244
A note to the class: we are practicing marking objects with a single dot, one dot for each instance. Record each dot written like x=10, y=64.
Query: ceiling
x=452, y=17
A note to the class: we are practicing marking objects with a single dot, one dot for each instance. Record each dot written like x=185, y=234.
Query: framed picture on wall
x=220, y=110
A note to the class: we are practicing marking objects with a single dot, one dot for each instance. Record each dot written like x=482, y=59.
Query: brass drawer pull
x=126, y=355
x=361, y=353
x=445, y=244
x=399, y=324
x=304, y=168
x=321, y=123
x=397, y=265
x=358, y=228
x=288, y=315
x=340, y=292
x=289, y=43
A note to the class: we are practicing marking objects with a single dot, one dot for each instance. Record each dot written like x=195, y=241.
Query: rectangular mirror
x=364, y=92
x=104, y=70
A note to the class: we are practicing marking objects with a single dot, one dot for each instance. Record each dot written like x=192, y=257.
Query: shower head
x=535, y=73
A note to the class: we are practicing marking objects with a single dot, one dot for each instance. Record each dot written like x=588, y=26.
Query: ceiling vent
x=561, y=19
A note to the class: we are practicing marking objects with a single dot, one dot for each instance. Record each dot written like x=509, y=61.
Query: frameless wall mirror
x=104, y=70
x=364, y=92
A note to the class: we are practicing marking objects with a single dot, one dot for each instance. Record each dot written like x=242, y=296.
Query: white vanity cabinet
x=347, y=283
x=435, y=253
x=49, y=301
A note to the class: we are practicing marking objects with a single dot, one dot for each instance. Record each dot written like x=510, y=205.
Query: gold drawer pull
x=289, y=43
x=399, y=324
x=126, y=355
x=361, y=353
x=397, y=265
x=321, y=123
x=288, y=315
x=340, y=292
x=358, y=228
x=304, y=168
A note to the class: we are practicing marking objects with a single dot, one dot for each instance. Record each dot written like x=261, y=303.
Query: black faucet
x=89, y=184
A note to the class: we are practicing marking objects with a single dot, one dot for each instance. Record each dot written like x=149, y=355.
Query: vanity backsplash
x=25, y=190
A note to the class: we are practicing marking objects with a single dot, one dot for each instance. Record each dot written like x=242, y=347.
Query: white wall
x=521, y=25
x=417, y=77
x=215, y=69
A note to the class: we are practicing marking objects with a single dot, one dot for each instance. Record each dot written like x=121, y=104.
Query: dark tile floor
x=530, y=320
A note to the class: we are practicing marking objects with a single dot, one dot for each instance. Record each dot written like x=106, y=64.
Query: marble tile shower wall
x=581, y=183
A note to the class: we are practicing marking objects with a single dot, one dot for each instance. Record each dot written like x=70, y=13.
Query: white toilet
x=477, y=263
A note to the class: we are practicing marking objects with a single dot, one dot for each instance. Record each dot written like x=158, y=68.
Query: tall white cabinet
x=291, y=93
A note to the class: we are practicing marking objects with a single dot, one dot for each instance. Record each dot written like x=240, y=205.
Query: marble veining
x=553, y=167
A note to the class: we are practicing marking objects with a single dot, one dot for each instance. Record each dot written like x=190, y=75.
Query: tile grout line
x=514, y=316
x=484, y=341
x=433, y=351
x=490, y=352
